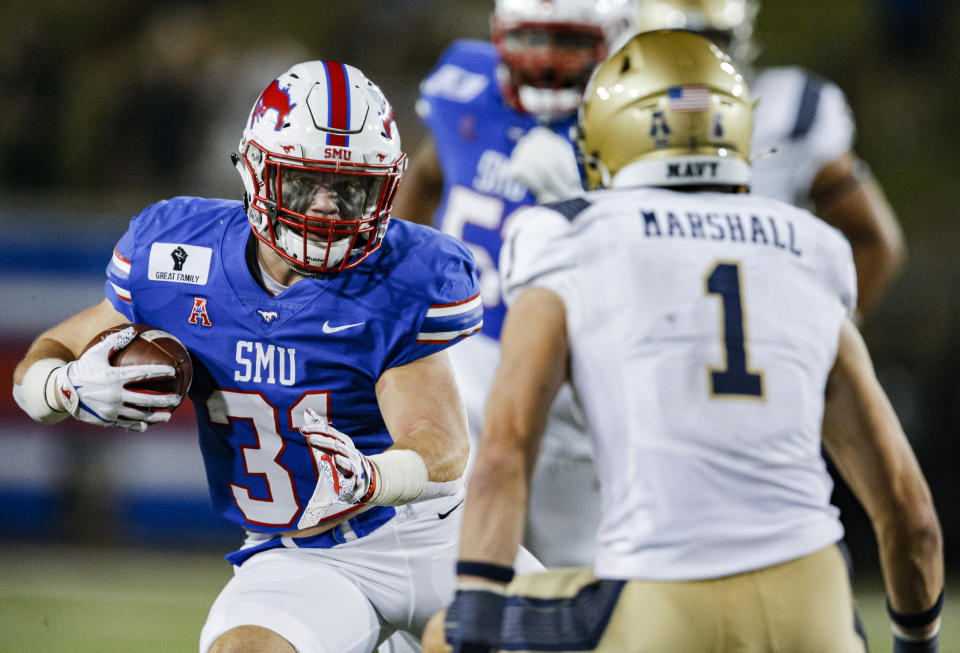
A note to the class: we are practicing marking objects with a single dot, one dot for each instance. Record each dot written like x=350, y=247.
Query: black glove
x=473, y=621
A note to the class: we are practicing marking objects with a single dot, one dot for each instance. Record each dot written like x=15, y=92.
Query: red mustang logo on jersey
x=276, y=98
x=199, y=313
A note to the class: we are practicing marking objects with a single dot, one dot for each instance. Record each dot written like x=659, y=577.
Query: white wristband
x=39, y=383
x=400, y=478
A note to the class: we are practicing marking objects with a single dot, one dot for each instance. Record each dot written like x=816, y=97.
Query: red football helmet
x=320, y=161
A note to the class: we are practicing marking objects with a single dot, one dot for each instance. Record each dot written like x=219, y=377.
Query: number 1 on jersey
x=733, y=379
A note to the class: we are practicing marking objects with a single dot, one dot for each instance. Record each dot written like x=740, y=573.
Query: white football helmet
x=728, y=23
x=320, y=161
x=549, y=48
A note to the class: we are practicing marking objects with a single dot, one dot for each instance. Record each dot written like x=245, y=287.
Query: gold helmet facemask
x=728, y=23
x=669, y=108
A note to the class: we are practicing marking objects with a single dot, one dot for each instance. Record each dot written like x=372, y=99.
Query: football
x=153, y=346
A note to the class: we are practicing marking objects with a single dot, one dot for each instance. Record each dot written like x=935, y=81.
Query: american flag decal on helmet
x=447, y=322
x=688, y=98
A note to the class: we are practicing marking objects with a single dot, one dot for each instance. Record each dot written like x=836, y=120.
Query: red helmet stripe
x=338, y=102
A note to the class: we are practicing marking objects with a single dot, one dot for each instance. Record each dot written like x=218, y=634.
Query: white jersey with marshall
x=807, y=121
x=702, y=328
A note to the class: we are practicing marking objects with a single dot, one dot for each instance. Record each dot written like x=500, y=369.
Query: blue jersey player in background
x=492, y=110
x=329, y=419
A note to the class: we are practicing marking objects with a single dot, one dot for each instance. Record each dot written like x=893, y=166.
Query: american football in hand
x=152, y=346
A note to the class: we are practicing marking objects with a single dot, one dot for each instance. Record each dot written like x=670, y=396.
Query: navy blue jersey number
x=734, y=378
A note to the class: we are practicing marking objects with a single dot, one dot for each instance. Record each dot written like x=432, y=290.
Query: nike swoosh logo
x=333, y=329
x=444, y=515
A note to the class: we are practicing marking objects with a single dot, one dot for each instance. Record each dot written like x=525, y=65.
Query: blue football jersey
x=261, y=360
x=474, y=131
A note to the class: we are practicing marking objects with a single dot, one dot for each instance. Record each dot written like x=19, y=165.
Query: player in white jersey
x=707, y=333
x=802, y=141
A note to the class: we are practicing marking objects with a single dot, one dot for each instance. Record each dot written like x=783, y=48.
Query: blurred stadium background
x=107, y=542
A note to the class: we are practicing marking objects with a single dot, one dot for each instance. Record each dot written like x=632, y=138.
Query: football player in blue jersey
x=330, y=422
x=485, y=104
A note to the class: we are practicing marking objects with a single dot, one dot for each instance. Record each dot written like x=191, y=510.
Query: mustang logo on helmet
x=276, y=98
x=318, y=183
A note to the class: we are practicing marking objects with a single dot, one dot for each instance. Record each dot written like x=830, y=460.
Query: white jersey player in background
x=802, y=142
x=707, y=333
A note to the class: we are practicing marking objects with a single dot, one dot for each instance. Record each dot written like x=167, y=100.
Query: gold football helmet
x=667, y=109
x=728, y=23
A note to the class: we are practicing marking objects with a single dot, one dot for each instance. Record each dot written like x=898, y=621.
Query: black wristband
x=488, y=570
x=917, y=619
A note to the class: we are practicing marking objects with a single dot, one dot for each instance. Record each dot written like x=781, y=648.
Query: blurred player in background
x=288, y=303
x=485, y=104
x=707, y=332
x=802, y=140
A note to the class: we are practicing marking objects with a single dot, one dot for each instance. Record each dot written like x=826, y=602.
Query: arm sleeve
x=452, y=312
x=118, y=287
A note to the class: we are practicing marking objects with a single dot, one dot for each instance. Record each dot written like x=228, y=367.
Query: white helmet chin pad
x=549, y=102
x=292, y=243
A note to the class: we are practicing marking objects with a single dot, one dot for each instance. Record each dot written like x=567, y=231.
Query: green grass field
x=55, y=599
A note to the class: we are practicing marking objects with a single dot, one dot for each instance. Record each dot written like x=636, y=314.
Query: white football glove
x=545, y=163
x=94, y=391
x=353, y=468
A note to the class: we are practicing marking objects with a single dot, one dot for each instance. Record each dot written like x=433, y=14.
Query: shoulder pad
x=569, y=208
x=463, y=72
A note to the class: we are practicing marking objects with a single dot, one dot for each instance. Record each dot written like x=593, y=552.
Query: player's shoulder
x=826, y=246
x=420, y=255
x=432, y=279
x=185, y=217
x=465, y=73
x=472, y=54
x=551, y=220
x=819, y=237
x=793, y=100
x=790, y=80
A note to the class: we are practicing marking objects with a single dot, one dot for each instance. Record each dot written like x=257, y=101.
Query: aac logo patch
x=179, y=263
x=199, y=315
